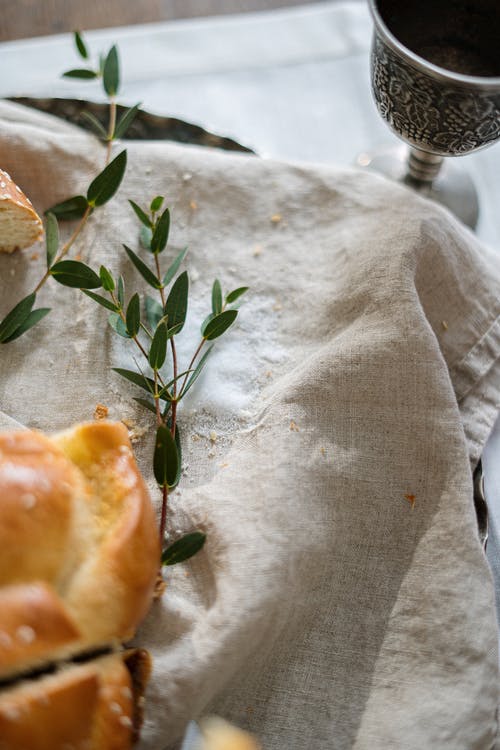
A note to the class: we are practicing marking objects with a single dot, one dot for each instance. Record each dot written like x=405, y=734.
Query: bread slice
x=20, y=225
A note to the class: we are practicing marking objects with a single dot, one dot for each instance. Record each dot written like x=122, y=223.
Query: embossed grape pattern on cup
x=437, y=111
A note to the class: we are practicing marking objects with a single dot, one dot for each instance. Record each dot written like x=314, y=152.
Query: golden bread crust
x=21, y=225
x=79, y=546
x=85, y=707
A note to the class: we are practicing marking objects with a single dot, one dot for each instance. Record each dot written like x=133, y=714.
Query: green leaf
x=102, y=60
x=118, y=325
x=156, y=204
x=98, y=127
x=154, y=312
x=141, y=215
x=133, y=315
x=183, y=548
x=177, y=301
x=75, y=274
x=165, y=458
x=81, y=46
x=207, y=320
x=16, y=316
x=126, y=121
x=174, y=267
x=51, y=238
x=145, y=272
x=33, y=318
x=72, y=208
x=197, y=372
x=150, y=405
x=137, y=378
x=234, y=295
x=218, y=325
x=120, y=292
x=101, y=300
x=111, y=72
x=145, y=237
x=158, y=349
x=160, y=234
x=216, y=297
x=105, y=185
x=108, y=282
x=80, y=73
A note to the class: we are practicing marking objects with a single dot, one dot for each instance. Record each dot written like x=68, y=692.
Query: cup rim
x=433, y=70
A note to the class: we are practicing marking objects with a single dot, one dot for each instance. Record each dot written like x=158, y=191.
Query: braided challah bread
x=79, y=554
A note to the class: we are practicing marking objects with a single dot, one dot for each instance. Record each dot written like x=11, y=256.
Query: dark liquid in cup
x=457, y=35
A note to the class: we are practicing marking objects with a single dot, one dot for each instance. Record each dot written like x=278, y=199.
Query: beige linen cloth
x=342, y=599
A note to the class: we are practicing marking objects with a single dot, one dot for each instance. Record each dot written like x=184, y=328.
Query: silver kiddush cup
x=437, y=111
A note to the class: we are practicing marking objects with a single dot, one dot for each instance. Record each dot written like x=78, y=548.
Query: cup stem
x=422, y=168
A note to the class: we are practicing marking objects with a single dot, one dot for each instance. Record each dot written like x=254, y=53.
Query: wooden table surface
x=29, y=18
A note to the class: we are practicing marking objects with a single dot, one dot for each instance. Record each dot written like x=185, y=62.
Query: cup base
x=452, y=187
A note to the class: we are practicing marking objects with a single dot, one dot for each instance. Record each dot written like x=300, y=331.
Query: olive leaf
x=72, y=208
x=177, y=301
x=219, y=324
x=84, y=73
x=105, y=185
x=154, y=311
x=108, y=283
x=101, y=300
x=165, y=457
x=111, y=72
x=183, y=548
x=158, y=348
x=118, y=325
x=80, y=45
x=216, y=297
x=34, y=317
x=120, y=291
x=236, y=294
x=137, y=378
x=156, y=204
x=51, y=238
x=160, y=234
x=145, y=272
x=141, y=215
x=174, y=267
x=98, y=126
x=75, y=274
x=133, y=315
x=16, y=317
x=126, y=121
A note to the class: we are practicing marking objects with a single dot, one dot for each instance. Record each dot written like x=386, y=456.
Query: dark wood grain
x=29, y=18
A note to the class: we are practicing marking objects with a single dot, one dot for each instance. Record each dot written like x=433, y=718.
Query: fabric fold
x=342, y=598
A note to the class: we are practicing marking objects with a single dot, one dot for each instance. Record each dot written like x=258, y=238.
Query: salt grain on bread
x=79, y=555
x=20, y=225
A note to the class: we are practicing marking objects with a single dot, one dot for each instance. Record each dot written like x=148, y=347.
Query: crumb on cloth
x=101, y=411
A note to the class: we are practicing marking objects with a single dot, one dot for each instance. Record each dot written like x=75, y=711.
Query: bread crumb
x=35, y=256
x=411, y=499
x=257, y=251
x=77, y=257
x=195, y=438
x=269, y=373
x=224, y=466
x=322, y=451
x=213, y=436
x=277, y=306
x=101, y=411
x=276, y=218
x=293, y=426
x=193, y=205
x=160, y=586
x=444, y=324
x=134, y=431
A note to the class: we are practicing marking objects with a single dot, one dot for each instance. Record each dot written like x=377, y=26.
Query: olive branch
x=150, y=324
